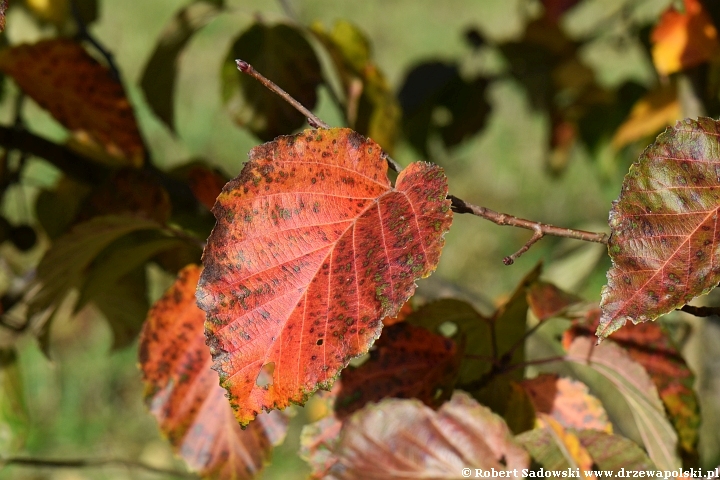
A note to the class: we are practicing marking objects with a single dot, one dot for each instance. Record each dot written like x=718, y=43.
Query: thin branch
x=312, y=119
x=701, y=311
x=539, y=229
x=85, y=34
x=537, y=235
x=90, y=463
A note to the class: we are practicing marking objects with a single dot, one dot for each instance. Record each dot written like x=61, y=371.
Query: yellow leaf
x=656, y=110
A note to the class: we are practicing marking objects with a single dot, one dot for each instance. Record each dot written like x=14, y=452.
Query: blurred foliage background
x=528, y=107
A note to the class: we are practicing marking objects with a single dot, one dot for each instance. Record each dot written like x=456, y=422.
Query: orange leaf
x=206, y=184
x=683, y=40
x=573, y=450
x=652, y=113
x=79, y=92
x=406, y=362
x=182, y=391
x=312, y=248
x=568, y=402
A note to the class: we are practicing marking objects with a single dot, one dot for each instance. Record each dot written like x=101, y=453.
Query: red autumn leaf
x=546, y=300
x=182, y=391
x=406, y=439
x=312, y=248
x=406, y=362
x=79, y=92
x=206, y=184
x=683, y=40
x=567, y=401
x=665, y=227
x=651, y=347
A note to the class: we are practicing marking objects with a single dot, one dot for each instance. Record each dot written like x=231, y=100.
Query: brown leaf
x=79, y=92
x=183, y=393
x=546, y=300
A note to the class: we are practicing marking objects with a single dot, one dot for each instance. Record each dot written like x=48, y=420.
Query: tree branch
x=458, y=205
x=90, y=463
x=62, y=157
x=701, y=311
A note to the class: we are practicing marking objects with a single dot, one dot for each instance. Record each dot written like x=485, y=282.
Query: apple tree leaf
x=665, y=235
x=283, y=55
x=312, y=249
x=80, y=93
x=405, y=362
x=406, y=439
x=183, y=394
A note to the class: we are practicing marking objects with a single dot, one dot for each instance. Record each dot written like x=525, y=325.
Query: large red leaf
x=182, y=391
x=665, y=228
x=406, y=439
x=312, y=248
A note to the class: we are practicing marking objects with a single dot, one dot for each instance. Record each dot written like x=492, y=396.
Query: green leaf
x=57, y=209
x=437, y=101
x=284, y=56
x=89, y=259
x=371, y=107
x=125, y=305
x=14, y=421
x=665, y=235
x=608, y=452
x=158, y=78
x=613, y=452
x=631, y=383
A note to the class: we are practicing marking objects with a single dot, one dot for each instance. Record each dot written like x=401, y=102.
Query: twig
x=700, y=311
x=90, y=463
x=539, y=229
x=84, y=34
x=63, y=158
x=312, y=119
x=458, y=205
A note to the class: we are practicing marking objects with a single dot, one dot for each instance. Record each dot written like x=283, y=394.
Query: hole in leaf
x=448, y=329
x=265, y=377
x=319, y=342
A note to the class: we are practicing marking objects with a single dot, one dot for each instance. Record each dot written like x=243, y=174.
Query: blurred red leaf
x=555, y=9
x=182, y=391
x=312, y=248
x=683, y=40
x=406, y=439
x=3, y=9
x=406, y=362
x=567, y=401
x=206, y=184
x=651, y=347
x=665, y=227
x=546, y=300
x=79, y=92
